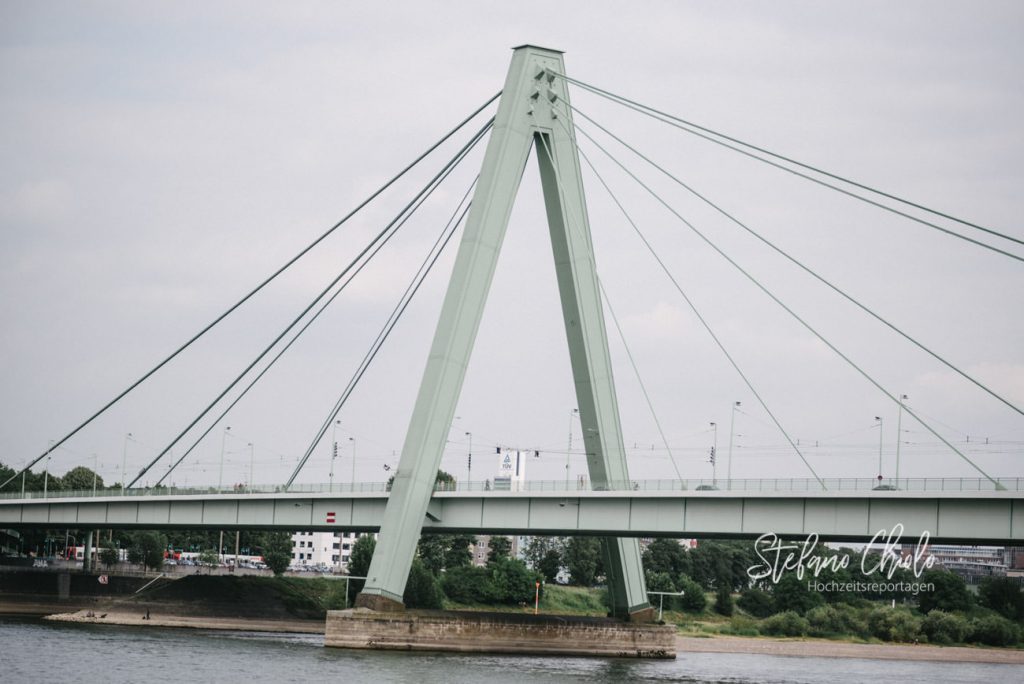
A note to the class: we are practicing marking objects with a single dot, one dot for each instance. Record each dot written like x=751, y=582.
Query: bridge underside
x=967, y=518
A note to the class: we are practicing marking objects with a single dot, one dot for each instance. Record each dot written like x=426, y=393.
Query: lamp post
x=46, y=470
x=899, y=436
x=124, y=461
x=353, y=440
x=334, y=451
x=732, y=425
x=220, y=476
x=568, y=452
x=252, y=462
x=714, y=456
x=879, y=419
x=95, y=467
x=469, y=461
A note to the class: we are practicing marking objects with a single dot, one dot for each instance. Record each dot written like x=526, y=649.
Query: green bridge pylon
x=531, y=104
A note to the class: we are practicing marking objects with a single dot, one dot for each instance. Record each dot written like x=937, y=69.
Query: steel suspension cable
x=428, y=188
x=805, y=268
x=255, y=290
x=792, y=313
x=341, y=288
x=683, y=125
x=636, y=371
x=700, y=317
x=414, y=285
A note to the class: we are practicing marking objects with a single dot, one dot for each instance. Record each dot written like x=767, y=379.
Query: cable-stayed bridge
x=535, y=116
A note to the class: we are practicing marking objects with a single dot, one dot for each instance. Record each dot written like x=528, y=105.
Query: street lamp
x=124, y=461
x=95, y=467
x=223, y=443
x=469, y=461
x=353, y=440
x=899, y=436
x=732, y=425
x=879, y=419
x=714, y=455
x=568, y=452
x=252, y=462
x=334, y=451
x=46, y=471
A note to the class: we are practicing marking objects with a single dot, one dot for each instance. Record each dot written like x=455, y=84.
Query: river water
x=37, y=651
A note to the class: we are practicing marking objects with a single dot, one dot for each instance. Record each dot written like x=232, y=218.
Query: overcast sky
x=161, y=159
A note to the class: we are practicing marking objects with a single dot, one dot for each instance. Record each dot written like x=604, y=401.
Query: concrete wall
x=497, y=633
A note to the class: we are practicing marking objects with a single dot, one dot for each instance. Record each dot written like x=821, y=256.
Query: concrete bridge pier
x=87, y=557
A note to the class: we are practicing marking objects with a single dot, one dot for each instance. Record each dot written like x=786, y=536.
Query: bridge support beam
x=531, y=104
x=87, y=556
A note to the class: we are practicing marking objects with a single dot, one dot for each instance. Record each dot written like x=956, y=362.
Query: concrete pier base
x=469, y=632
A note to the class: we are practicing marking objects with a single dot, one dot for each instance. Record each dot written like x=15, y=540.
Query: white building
x=330, y=550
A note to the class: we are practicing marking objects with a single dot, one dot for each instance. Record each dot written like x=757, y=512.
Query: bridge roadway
x=946, y=511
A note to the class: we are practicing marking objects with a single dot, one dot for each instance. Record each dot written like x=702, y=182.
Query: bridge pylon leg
x=528, y=112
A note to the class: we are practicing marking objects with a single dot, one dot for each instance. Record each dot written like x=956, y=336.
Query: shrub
x=788, y=623
x=949, y=592
x=513, y=582
x=756, y=602
x=945, y=628
x=693, y=598
x=723, y=600
x=741, y=625
x=890, y=624
x=791, y=593
x=993, y=630
x=1003, y=595
x=468, y=584
x=422, y=589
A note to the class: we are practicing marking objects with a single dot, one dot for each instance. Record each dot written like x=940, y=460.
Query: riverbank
x=823, y=648
x=815, y=648
x=137, y=619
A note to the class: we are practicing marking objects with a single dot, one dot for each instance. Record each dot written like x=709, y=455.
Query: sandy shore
x=839, y=649
x=137, y=619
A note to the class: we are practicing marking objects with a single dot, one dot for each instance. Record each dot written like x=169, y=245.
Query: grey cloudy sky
x=160, y=159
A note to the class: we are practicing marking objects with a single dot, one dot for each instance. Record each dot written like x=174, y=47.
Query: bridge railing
x=780, y=484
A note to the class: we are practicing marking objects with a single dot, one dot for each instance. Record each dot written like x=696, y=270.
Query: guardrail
x=782, y=484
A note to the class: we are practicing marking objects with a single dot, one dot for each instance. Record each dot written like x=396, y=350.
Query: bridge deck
x=946, y=515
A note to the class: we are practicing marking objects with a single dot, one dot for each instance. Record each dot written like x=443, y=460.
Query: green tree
x=109, y=556
x=513, y=582
x=550, y=564
x=277, y=551
x=538, y=547
x=948, y=593
x=756, y=602
x=459, y=552
x=421, y=589
x=1002, y=595
x=359, y=563
x=667, y=556
x=150, y=547
x=723, y=599
x=81, y=479
x=210, y=558
x=581, y=557
x=469, y=584
x=498, y=547
x=791, y=593
x=693, y=599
